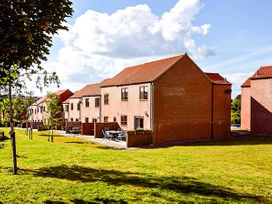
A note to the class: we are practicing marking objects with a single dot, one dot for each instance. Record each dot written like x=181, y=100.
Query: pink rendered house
x=37, y=111
x=84, y=105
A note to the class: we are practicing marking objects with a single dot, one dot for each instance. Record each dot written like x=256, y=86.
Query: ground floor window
x=138, y=122
x=72, y=119
x=114, y=119
x=124, y=120
x=106, y=119
x=86, y=120
x=94, y=120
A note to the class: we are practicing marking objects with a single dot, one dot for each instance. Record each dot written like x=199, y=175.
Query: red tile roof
x=143, y=73
x=263, y=73
x=247, y=83
x=42, y=99
x=88, y=90
x=216, y=78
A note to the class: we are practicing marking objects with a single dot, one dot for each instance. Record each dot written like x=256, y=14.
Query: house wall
x=75, y=114
x=66, y=113
x=41, y=116
x=245, y=108
x=182, y=104
x=261, y=106
x=221, y=111
x=90, y=112
x=133, y=107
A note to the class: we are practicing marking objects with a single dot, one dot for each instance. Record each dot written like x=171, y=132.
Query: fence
x=87, y=128
x=139, y=138
x=98, y=127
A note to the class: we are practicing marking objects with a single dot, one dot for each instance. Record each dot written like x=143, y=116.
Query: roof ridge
x=143, y=73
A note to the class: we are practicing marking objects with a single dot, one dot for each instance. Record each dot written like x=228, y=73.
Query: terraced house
x=171, y=97
x=37, y=111
x=256, y=102
x=84, y=105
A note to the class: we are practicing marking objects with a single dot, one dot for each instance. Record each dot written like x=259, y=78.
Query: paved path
x=109, y=143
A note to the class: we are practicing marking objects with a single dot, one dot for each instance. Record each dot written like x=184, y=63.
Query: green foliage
x=236, y=110
x=53, y=112
x=71, y=170
x=20, y=104
x=26, y=31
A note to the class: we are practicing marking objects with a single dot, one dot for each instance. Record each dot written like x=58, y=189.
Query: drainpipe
x=152, y=107
x=212, y=103
x=100, y=107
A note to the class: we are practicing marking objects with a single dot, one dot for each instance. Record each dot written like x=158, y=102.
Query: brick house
x=84, y=105
x=171, y=97
x=37, y=111
x=256, y=102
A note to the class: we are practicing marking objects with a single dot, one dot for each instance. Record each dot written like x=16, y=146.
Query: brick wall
x=245, y=108
x=221, y=111
x=182, y=104
x=261, y=106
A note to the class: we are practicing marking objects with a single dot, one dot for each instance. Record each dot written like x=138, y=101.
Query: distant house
x=84, y=105
x=37, y=111
x=171, y=97
x=256, y=102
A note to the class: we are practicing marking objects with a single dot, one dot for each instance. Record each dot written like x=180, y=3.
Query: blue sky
x=231, y=37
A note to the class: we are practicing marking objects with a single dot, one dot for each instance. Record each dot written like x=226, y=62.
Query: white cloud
x=237, y=79
x=99, y=45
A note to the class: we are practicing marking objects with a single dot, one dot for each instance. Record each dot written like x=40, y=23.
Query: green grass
x=75, y=171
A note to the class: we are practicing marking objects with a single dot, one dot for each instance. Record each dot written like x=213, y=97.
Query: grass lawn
x=74, y=171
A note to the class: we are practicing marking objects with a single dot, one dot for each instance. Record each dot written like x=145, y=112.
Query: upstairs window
x=78, y=106
x=97, y=102
x=66, y=108
x=106, y=119
x=72, y=106
x=87, y=102
x=143, y=93
x=106, y=99
x=124, y=94
x=44, y=108
x=123, y=120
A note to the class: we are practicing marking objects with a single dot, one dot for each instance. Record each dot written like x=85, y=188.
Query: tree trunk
x=12, y=133
x=52, y=136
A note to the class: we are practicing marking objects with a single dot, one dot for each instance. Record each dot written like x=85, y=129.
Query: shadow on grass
x=95, y=201
x=77, y=142
x=232, y=141
x=109, y=147
x=46, y=135
x=243, y=140
x=180, y=185
x=3, y=138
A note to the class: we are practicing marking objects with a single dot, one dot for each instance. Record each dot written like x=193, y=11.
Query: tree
x=26, y=31
x=20, y=104
x=236, y=110
x=53, y=112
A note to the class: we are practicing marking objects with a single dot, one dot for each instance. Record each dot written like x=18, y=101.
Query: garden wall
x=99, y=126
x=139, y=138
